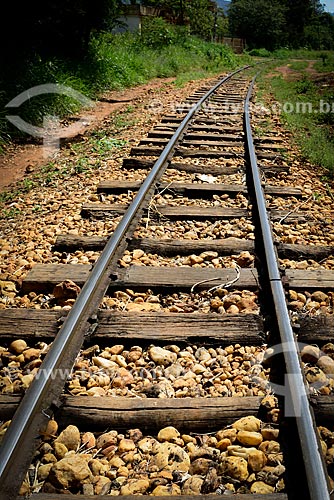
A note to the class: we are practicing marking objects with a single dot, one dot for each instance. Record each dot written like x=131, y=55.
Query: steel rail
x=40, y=396
x=296, y=394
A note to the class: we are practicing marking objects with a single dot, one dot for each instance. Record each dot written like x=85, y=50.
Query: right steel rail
x=296, y=394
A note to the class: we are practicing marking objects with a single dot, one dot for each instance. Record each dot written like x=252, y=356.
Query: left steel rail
x=42, y=397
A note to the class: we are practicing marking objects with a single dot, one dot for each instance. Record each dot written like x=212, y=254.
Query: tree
x=221, y=25
x=299, y=15
x=174, y=10
x=201, y=15
x=55, y=28
x=261, y=23
x=294, y=23
x=319, y=33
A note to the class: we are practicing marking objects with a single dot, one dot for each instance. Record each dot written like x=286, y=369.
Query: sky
x=329, y=5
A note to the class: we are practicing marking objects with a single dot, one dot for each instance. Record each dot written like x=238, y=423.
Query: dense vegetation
x=70, y=42
x=108, y=62
x=307, y=107
x=282, y=23
x=63, y=28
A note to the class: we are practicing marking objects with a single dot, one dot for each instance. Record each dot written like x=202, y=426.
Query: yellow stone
x=230, y=434
x=18, y=346
x=135, y=487
x=168, y=434
x=223, y=444
x=261, y=488
x=269, y=434
x=249, y=438
x=60, y=450
x=257, y=460
x=235, y=467
x=126, y=445
x=166, y=491
x=171, y=457
x=43, y=471
x=251, y=424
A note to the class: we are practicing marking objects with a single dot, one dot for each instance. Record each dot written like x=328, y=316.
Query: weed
x=312, y=131
x=304, y=85
x=81, y=166
x=286, y=53
x=259, y=131
x=121, y=120
x=28, y=185
x=10, y=213
x=317, y=196
x=105, y=144
x=157, y=33
x=7, y=196
x=260, y=53
x=184, y=77
x=37, y=208
x=326, y=62
x=298, y=65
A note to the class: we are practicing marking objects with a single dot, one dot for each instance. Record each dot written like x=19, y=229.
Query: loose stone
x=249, y=438
x=70, y=437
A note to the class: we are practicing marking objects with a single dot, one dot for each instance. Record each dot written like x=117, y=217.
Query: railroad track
x=222, y=232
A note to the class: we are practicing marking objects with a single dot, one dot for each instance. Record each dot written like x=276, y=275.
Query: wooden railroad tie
x=43, y=277
x=43, y=324
x=188, y=189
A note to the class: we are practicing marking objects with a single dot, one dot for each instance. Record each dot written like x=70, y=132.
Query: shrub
x=156, y=33
x=113, y=62
x=260, y=53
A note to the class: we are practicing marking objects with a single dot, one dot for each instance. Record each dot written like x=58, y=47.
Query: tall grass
x=298, y=53
x=285, y=53
x=33, y=110
x=112, y=62
x=121, y=62
x=313, y=130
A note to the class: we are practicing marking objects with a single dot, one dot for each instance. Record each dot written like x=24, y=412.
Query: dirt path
x=289, y=73
x=18, y=161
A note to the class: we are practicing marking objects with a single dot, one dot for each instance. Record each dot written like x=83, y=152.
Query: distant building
x=238, y=45
x=132, y=18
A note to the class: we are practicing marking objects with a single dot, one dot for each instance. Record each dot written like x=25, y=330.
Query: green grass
x=324, y=58
x=122, y=61
x=98, y=146
x=287, y=54
x=298, y=65
x=326, y=62
x=112, y=62
x=260, y=53
x=186, y=76
x=312, y=125
x=298, y=54
x=122, y=119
